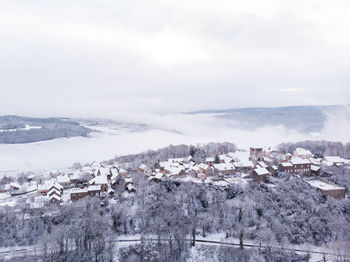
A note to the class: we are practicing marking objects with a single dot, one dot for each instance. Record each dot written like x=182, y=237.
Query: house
x=315, y=170
x=15, y=186
x=302, y=153
x=144, y=169
x=55, y=199
x=269, y=151
x=123, y=172
x=78, y=193
x=175, y=171
x=268, y=160
x=5, y=188
x=226, y=159
x=94, y=190
x=225, y=168
x=296, y=166
x=286, y=167
x=300, y=165
x=210, y=161
x=105, y=172
x=260, y=174
x=44, y=188
x=54, y=191
x=131, y=188
x=288, y=157
x=206, y=169
x=273, y=170
x=100, y=180
x=110, y=191
x=316, y=161
x=76, y=177
x=63, y=180
x=157, y=177
x=262, y=164
x=188, y=159
x=256, y=154
x=327, y=188
x=244, y=166
x=334, y=160
x=128, y=181
x=31, y=177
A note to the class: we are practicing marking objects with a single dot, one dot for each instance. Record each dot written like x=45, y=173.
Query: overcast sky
x=97, y=57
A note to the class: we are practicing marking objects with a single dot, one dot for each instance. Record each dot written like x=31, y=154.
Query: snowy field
x=164, y=130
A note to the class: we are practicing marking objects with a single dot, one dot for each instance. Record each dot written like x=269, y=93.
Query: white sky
x=101, y=57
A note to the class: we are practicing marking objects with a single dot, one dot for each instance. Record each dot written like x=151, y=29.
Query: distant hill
x=302, y=118
x=18, y=129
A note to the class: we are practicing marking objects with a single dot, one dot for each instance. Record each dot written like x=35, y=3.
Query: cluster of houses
x=57, y=187
x=258, y=164
x=102, y=181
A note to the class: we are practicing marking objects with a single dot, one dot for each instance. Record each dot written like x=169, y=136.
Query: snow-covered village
x=195, y=181
x=107, y=181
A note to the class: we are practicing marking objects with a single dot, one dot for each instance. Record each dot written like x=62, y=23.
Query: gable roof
x=261, y=171
x=224, y=166
x=299, y=161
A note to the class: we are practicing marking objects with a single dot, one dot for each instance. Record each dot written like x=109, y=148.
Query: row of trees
x=151, y=157
x=319, y=148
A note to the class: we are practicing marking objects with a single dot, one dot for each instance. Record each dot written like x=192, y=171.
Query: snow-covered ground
x=164, y=130
x=27, y=127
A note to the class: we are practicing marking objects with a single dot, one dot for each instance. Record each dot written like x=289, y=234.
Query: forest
x=13, y=131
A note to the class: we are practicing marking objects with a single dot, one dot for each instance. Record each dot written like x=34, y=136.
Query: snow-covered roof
x=76, y=175
x=128, y=180
x=48, y=185
x=224, y=166
x=324, y=185
x=101, y=179
x=94, y=188
x=15, y=185
x=261, y=171
x=143, y=167
x=121, y=170
x=104, y=171
x=287, y=164
x=314, y=168
x=299, y=161
x=262, y=164
x=130, y=187
x=115, y=173
x=268, y=159
x=63, y=179
x=174, y=170
x=158, y=175
x=54, y=190
x=302, y=152
x=55, y=197
x=175, y=160
x=210, y=159
x=110, y=190
x=78, y=190
x=187, y=159
x=315, y=161
x=245, y=164
x=203, y=166
x=334, y=159
x=274, y=168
